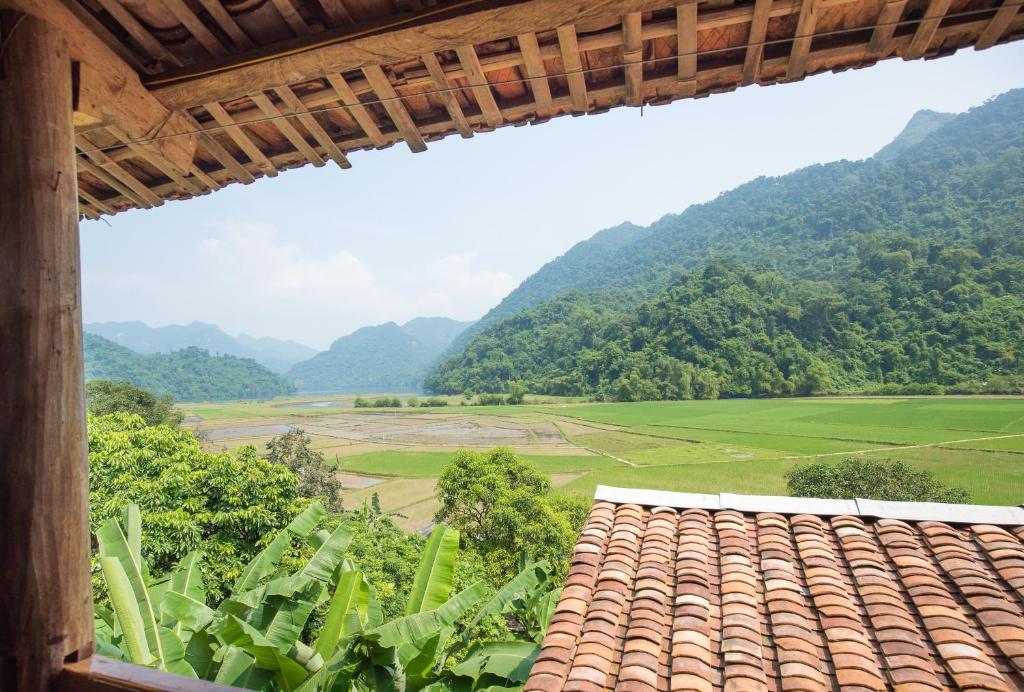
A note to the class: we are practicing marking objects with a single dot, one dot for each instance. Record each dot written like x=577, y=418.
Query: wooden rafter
x=340, y=89
x=999, y=24
x=140, y=33
x=314, y=128
x=755, y=41
x=573, y=67
x=632, y=57
x=885, y=27
x=93, y=202
x=290, y=133
x=926, y=29
x=395, y=108
x=227, y=23
x=336, y=12
x=151, y=155
x=122, y=179
x=686, y=26
x=224, y=157
x=480, y=86
x=244, y=142
x=534, y=64
x=802, y=43
x=188, y=18
x=447, y=96
x=291, y=16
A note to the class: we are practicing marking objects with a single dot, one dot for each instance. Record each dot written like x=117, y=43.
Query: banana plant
x=254, y=638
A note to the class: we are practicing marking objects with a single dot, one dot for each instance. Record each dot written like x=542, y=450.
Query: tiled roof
x=674, y=598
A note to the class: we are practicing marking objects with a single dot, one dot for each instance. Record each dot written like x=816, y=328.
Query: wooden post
x=45, y=595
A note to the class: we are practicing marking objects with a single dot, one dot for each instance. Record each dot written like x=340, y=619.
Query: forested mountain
x=903, y=269
x=190, y=374
x=276, y=354
x=383, y=358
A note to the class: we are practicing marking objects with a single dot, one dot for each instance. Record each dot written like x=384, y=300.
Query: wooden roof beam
x=93, y=202
x=290, y=133
x=802, y=42
x=534, y=64
x=336, y=12
x=244, y=142
x=224, y=157
x=139, y=33
x=393, y=104
x=885, y=27
x=312, y=126
x=152, y=155
x=105, y=169
x=447, y=96
x=686, y=42
x=926, y=29
x=755, y=41
x=573, y=67
x=480, y=87
x=999, y=24
x=227, y=23
x=291, y=16
x=190, y=21
x=632, y=57
x=356, y=109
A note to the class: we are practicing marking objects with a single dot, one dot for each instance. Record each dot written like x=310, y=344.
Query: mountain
x=189, y=374
x=905, y=270
x=920, y=125
x=275, y=354
x=383, y=358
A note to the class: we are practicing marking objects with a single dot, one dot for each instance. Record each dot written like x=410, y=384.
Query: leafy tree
x=316, y=478
x=876, y=479
x=502, y=506
x=516, y=393
x=108, y=396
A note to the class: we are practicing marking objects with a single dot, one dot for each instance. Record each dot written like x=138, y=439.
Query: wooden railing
x=102, y=674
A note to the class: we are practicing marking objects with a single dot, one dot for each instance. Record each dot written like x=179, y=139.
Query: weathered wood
x=802, y=42
x=195, y=27
x=686, y=42
x=289, y=132
x=479, y=85
x=755, y=41
x=572, y=65
x=926, y=29
x=396, y=109
x=292, y=17
x=45, y=592
x=224, y=157
x=999, y=24
x=102, y=674
x=447, y=96
x=227, y=23
x=534, y=64
x=152, y=155
x=141, y=34
x=357, y=110
x=885, y=27
x=314, y=128
x=336, y=12
x=244, y=142
x=632, y=57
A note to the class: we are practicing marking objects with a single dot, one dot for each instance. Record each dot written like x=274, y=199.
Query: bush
x=103, y=397
x=875, y=479
x=489, y=400
x=318, y=480
x=412, y=402
x=388, y=402
x=434, y=401
x=360, y=402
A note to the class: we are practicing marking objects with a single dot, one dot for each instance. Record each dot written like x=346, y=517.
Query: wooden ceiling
x=177, y=98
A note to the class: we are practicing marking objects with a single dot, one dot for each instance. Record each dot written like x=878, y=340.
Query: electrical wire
x=522, y=80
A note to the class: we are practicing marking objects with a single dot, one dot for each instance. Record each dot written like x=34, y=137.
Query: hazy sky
x=318, y=252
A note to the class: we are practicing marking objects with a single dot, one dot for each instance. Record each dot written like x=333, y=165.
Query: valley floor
x=743, y=446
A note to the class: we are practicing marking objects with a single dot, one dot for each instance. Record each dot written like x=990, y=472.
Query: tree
x=317, y=480
x=516, y=392
x=501, y=504
x=110, y=396
x=876, y=479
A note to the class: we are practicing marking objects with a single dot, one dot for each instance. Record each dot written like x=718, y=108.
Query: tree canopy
x=874, y=479
x=109, y=396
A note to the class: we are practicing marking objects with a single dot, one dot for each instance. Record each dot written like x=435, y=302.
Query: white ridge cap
x=879, y=509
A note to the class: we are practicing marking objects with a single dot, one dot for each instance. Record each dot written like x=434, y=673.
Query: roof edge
x=877, y=509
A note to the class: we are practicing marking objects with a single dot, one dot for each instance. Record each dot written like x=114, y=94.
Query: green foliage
x=103, y=397
x=361, y=402
x=316, y=479
x=190, y=374
x=433, y=402
x=875, y=479
x=221, y=503
x=502, y=506
x=388, y=402
x=258, y=637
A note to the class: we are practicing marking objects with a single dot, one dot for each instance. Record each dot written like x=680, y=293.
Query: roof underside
x=232, y=90
x=661, y=599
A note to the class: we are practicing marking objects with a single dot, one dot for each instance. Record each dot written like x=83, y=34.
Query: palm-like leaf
x=433, y=582
x=347, y=613
x=129, y=616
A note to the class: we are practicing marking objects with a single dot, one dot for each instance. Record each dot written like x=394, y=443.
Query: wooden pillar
x=45, y=596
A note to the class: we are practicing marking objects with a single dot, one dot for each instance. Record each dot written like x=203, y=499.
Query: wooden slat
x=224, y=157
x=885, y=27
x=138, y=32
x=447, y=96
x=802, y=43
x=632, y=57
x=94, y=202
x=755, y=41
x=312, y=126
x=139, y=191
x=573, y=67
x=395, y=107
x=205, y=179
x=336, y=12
x=926, y=29
x=88, y=212
x=195, y=27
x=356, y=109
x=292, y=17
x=282, y=124
x=227, y=23
x=999, y=24
x=244, y=142
x=152, y=155
x=110, y=181
x=534, y=64
x=480, y=86
x=686, y=42
x=101, y=674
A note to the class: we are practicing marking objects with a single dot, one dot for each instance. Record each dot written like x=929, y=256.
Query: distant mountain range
x=384, y=358
x=276, y=354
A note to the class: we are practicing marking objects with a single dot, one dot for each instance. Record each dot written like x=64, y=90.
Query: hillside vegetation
x=190, y=374
x=903, y=272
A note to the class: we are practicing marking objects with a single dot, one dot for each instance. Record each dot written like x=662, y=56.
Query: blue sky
x=318, y=252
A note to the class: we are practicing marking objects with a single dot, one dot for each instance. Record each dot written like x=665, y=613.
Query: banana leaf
x=542, y=611
x=327, y=557
x=133, y=534
x=231, y=631
x=292, y=612
x=304, y=523
x=174, y=654
x=199, y=653
x=126, y=609
x=522, y=586
x=347, y=613
x=239, y=670
x=507, y=661
x=433, y=582
x=418, y=627
x=187, y=612
x=266, y=561
x=187, y=579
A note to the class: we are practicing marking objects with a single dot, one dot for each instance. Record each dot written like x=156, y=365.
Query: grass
x=430, y=464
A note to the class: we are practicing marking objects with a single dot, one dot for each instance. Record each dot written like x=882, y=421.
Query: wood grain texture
x=102, y=674
x=45, y=593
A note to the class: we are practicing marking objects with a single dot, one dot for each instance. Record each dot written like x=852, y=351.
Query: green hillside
x=191, y=374
x=899, y=270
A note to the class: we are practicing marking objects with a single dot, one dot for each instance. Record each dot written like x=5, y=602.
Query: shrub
x=876, y=479
x=103, y=397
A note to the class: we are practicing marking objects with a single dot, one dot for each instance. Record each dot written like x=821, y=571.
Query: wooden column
x=45, y=595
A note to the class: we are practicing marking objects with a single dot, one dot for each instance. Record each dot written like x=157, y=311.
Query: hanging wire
x=214, y=127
